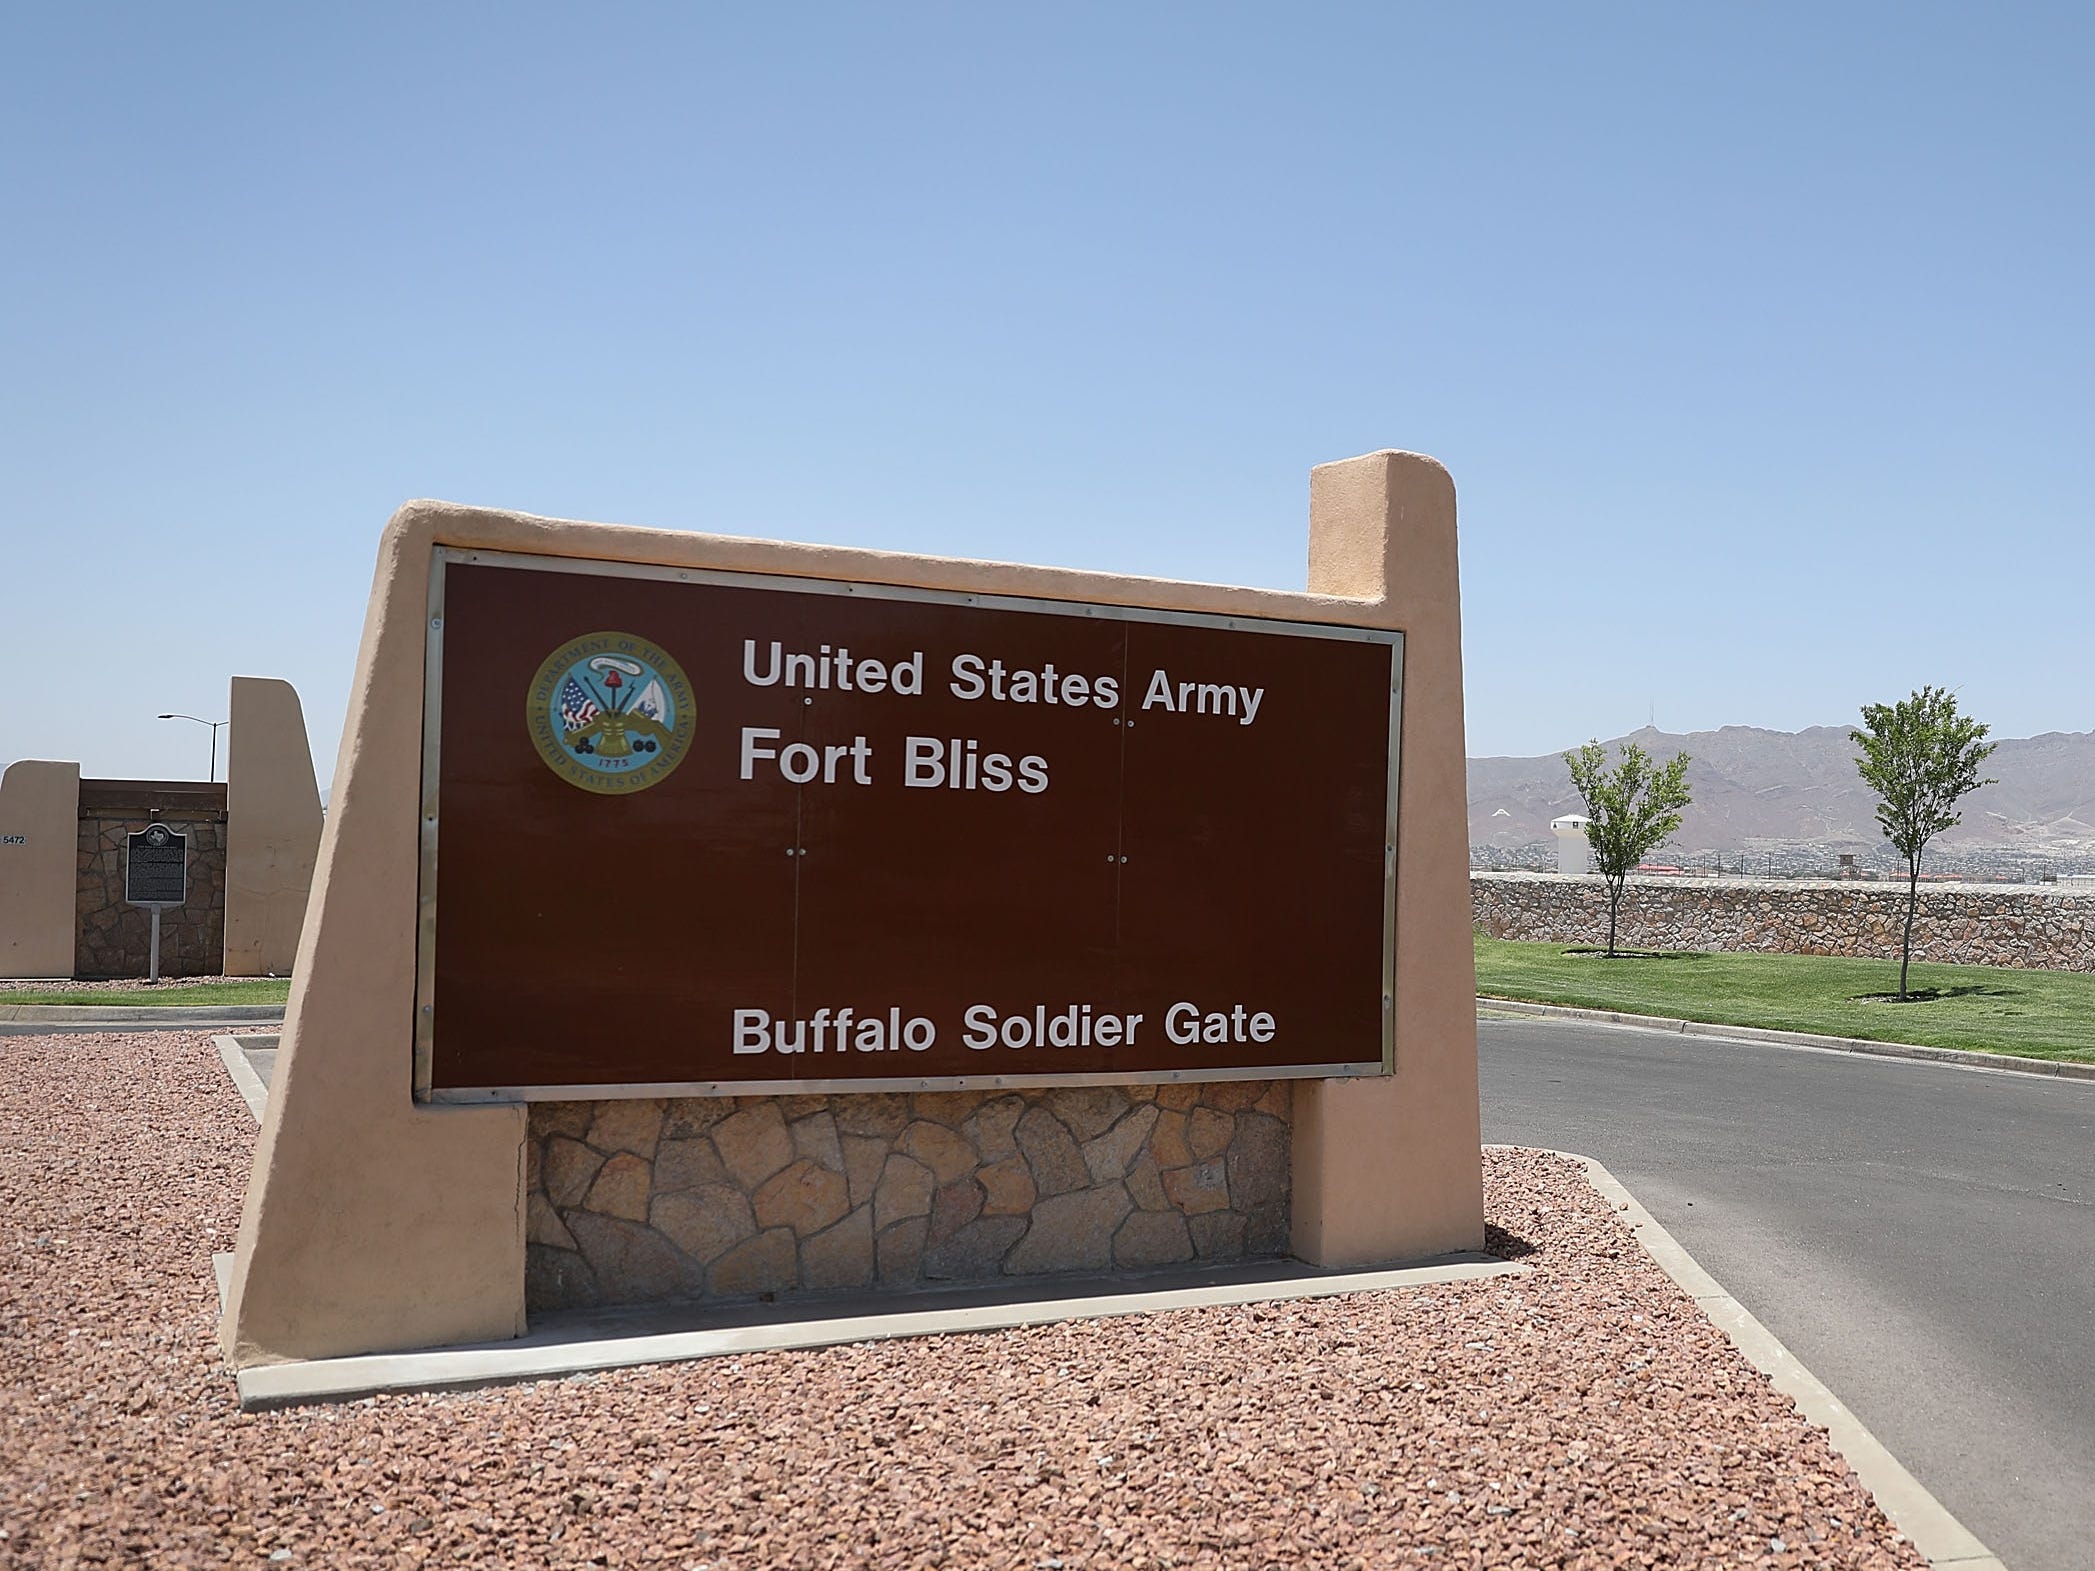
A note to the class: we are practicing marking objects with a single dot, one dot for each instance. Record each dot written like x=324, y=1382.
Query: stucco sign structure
x=782, y=834
x=607, y=808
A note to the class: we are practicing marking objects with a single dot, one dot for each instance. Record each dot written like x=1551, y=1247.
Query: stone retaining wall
x=1957, y=924
x=113, y=938
x=724, y=1197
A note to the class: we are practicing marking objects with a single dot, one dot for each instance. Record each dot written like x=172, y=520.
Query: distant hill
x=1755, y=787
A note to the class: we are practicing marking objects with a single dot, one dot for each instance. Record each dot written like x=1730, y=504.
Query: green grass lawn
x=262, y=990
x=2038, y=1014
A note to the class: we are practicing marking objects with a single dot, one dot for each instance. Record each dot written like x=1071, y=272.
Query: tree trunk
x=1912, y=900
x=1614, y=907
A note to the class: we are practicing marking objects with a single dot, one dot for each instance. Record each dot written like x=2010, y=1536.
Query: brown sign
x=709, y=830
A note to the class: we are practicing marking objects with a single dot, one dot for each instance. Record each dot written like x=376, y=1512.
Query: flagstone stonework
x=113, y=938
x=730, y=1197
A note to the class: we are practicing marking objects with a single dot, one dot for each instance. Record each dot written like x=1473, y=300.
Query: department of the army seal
x=610, y=712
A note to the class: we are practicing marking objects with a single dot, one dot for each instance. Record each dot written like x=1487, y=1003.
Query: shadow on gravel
x=1507, y=1246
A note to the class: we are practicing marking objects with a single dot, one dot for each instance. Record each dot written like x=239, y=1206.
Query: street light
x=214, y=725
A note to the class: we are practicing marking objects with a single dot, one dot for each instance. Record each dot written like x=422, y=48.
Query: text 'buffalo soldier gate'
x=701, y=917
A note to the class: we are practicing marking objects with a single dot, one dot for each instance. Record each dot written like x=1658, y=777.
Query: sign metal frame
x=431, y=813
x=155, y=907
x=135, y=835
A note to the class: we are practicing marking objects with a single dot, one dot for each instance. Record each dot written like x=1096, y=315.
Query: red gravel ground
x=1583, y=1416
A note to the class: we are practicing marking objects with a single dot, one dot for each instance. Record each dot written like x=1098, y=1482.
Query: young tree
x=1631, y=810
x=1921, y=758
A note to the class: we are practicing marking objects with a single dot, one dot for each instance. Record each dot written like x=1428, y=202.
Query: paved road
x=1922, y=1236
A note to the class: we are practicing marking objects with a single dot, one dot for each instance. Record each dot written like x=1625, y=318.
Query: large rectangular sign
x=717, y=832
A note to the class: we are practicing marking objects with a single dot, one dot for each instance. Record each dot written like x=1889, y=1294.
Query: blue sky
x=1758, y=338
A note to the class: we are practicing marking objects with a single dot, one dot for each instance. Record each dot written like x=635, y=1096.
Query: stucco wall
x=1956, y=924
x=273, y=824
x=39, y=817
x=114, y=938
x=724, y=1197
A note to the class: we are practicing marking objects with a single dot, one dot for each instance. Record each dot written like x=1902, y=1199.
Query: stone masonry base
x=702, y=1198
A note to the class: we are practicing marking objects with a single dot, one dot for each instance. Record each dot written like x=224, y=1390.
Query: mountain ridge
x=1753, y=786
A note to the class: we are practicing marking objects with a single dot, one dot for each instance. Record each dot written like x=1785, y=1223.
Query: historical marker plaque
x=704, y=831
x=156, y=866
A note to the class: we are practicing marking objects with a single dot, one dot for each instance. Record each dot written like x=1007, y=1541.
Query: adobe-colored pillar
x=272, y=827
x=39, y=867
x=373, y=1222
x=1390, y=1169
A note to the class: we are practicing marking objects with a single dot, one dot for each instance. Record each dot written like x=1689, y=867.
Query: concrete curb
x=2001, y=1063
x=556, y=1353
x=1946, y=1543
x=173, y=1014
x=245, y=1080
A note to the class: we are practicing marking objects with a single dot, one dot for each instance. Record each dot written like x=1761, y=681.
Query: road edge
x=140, y=1014
x=1943, y=1541
x=2002, y=1063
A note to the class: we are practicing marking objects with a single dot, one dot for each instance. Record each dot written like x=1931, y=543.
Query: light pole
x=214, y=725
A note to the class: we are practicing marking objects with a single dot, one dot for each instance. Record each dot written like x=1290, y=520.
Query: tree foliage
x=1631, y=810
x=1922, y=758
